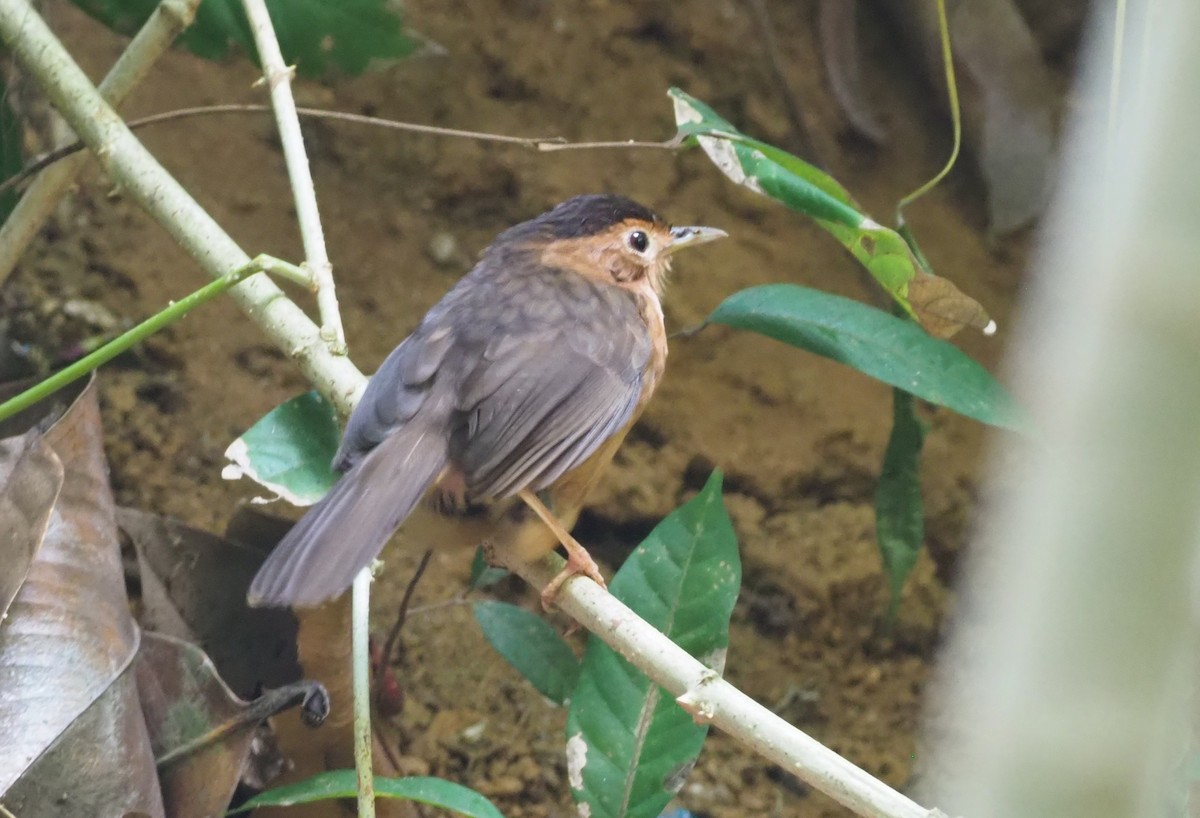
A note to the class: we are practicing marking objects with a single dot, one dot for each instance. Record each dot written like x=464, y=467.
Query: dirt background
x=800, y=439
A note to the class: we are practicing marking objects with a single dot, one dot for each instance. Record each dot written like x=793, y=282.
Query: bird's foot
x=579, y=562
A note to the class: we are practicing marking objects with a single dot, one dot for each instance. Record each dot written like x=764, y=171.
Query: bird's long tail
x=346, y=530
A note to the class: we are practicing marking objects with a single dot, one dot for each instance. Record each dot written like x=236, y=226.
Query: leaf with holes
x=314, y=35
x=629, y=745
x=939, y=306
x=289, y=450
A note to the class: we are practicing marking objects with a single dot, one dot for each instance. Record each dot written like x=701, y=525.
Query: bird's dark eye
x=639, y=241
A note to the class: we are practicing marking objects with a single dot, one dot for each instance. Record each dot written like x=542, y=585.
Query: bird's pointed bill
x=690, y=236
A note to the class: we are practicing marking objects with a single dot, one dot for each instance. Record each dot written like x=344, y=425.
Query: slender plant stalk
x=955, y=118
x=34, y=45
x=360, y=632
x=141, y=332
x=155, y=37
x=278, y=77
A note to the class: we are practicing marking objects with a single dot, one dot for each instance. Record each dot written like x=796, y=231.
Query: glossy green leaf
x=532, y=646
x=629, y=745
x=315, y=35
x=899, y=511
x=933, y=301
x=875, y=343
x=290, y=450
x=436, y=792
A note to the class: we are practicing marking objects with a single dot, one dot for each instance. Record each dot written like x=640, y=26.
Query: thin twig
x=279, y=79
x=141, y=332
x=385, y=659
x=154, y=38
x=955, y=117
x=547, y=146
x=541, y=143
x=360, y=650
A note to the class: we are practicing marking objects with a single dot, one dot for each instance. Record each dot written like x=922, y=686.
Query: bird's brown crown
x=581, y=217
x=602, y=237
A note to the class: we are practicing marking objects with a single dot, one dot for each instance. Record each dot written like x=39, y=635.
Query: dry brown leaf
x=31, y=476
x=69, y=711
x=202, y=733
x=943, y=309
x=194, y=588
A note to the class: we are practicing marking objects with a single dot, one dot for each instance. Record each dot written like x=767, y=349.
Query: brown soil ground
x=800, y=439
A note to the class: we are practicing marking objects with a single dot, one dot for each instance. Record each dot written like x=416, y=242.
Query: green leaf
x=289, y=450
x=934, y=302
x=883, y=346
x=316, y=35
x=532, y=646
x=11, y=154
x=629, y=745
x=899, y=511
x=482, y=574
x=436, y=792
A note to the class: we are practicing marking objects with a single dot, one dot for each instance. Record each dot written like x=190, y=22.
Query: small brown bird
x=522, y=381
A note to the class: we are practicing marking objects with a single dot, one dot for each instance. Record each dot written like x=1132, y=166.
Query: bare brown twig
x=389, y=646
x=540, y=143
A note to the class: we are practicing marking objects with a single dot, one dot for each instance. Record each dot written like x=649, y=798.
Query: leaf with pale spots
x=289, y=450
x=935, y=302
x=630, y=746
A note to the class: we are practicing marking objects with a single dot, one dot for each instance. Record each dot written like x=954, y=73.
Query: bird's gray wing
x=396, y=392
x=539, y=403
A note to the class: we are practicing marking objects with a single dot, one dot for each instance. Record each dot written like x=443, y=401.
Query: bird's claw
x=579, y=562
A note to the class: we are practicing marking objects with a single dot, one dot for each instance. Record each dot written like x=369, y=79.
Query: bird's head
x=610, y=239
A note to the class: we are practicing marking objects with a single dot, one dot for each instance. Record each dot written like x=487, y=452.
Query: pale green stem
x=278, y=77
x=144, y=330
x=360, y=608
x=955, y=116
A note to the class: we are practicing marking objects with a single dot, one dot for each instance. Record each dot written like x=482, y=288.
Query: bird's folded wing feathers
x=525, y=426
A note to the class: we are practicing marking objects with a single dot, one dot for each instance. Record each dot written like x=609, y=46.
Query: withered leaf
x=943, y=309
x=68, y=708
x=194, y=588
x=30, y=478
x=201, y=732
